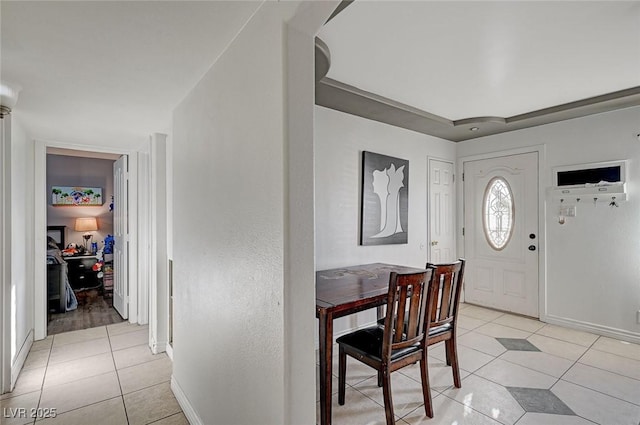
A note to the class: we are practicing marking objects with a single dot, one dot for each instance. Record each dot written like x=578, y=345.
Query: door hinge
x=462, y=176
x=454, y=178
x=463, y=231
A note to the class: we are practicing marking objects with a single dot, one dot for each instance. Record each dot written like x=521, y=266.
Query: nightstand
x=81, y=274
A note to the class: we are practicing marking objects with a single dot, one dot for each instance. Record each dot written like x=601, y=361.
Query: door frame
x=40, y=225
x=542, y=226
x=158, y=291
x=5, y=254
x=454, y=202
x=120, y=172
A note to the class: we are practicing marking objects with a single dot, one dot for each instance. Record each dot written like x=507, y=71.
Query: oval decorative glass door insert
x=498, y=213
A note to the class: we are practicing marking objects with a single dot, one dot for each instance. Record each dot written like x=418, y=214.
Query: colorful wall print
x=79, y=196
x=385, y=199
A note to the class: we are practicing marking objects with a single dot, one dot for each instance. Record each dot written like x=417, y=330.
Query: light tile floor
x=559, y=376
x=99, y=376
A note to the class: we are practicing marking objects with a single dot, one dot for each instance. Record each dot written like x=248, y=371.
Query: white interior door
x=441, y=215
x=501, y=232
x=121, y=236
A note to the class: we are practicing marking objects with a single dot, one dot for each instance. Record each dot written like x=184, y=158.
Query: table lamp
x=86, y=225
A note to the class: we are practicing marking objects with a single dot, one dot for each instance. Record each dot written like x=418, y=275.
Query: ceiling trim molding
x=352, y=100
x=343, y=4
x=323, y=59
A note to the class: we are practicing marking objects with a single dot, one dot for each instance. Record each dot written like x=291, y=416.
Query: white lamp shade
x=9, y=94
x=86, y=224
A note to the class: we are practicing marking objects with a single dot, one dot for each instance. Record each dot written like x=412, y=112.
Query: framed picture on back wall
x=384, y=200
x=76, y=196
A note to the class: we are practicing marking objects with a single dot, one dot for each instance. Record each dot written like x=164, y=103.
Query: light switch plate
x=568, y=211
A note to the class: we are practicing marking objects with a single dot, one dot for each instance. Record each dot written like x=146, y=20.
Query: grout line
x=166, y=417
x=606, y=370
x=592, y=389
x=565, y=341
x=115, y=367
x=578, y=359
x=469, y=407
x=637, y=359
x=147, y=387
x=600, y=392
x=535, y=370
x=144, y=363
x=44, y=377
x=523, y=409
x=86, y=405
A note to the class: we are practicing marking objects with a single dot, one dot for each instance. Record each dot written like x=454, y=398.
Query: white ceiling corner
x=110, y=73
x=461, y=59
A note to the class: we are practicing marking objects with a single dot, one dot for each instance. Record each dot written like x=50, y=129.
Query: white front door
x=441, y=215
x=501, y=232
x=121, y=236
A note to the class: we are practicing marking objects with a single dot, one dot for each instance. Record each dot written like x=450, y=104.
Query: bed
x=60, y=296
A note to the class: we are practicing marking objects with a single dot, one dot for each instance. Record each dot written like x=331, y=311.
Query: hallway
x=102, y=376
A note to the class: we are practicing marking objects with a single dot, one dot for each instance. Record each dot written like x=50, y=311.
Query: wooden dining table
x=340, y=292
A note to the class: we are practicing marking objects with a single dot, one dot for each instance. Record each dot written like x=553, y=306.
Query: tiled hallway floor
x=98, y=376
x=514, y=371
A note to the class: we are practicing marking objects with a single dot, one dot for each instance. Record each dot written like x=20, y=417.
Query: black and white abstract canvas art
x=385, y=199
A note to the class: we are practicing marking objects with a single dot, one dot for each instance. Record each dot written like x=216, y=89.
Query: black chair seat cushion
x=368, y=342
x=432, y=332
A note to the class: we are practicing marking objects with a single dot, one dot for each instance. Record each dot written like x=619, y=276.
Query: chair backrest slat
x=445, y=296
x=414, y=314
x=406, y=310
x=448, y=285
x=401, y=304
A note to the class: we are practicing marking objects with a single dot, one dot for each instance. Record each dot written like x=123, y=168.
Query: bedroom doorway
x=86, y=293
x=82, y=259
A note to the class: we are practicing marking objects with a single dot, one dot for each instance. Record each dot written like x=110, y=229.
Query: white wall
x=592, y=260
x=22, y=232
x=229, y=226
x=339, y=141
x=77, y=171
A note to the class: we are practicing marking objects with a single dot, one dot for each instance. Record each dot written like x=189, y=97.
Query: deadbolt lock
x=434, y=243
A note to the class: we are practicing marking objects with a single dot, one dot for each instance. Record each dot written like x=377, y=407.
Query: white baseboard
x=169, y=350
x=593, y=328
x=184, y=403
x=158, y=347
x=17, y=365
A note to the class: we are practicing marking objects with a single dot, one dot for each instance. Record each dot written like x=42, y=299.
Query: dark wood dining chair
x=400, y=342
x=444, y=300
x=448, y=279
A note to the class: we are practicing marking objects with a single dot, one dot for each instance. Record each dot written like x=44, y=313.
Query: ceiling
x=447, y=67
x=110, y=73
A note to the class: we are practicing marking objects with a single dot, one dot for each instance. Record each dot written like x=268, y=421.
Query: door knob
x=434, y=243
x=532, y=247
